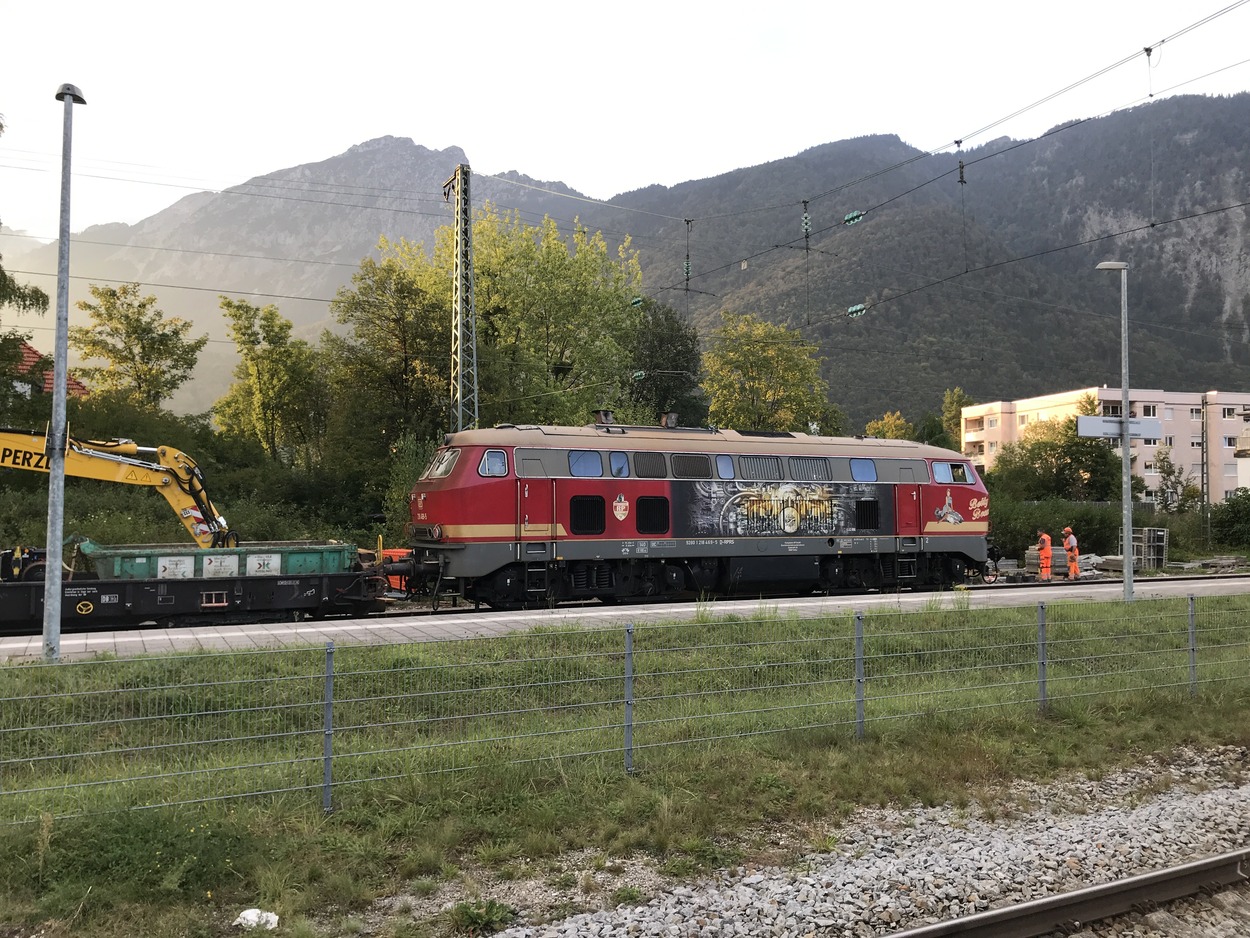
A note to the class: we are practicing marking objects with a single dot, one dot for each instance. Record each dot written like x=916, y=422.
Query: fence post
x=1193, y=649
x=328, y=731
x=1041, y=657
x=859, y=673
x=629, y=699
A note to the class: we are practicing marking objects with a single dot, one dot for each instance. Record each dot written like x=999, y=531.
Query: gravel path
x=895, y=869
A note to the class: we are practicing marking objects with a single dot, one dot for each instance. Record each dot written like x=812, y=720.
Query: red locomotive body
x=516, y=516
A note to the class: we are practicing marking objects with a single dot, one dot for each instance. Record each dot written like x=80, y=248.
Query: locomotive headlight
x=437, y=532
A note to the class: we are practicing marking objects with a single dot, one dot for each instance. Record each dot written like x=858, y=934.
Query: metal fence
x=320, y=722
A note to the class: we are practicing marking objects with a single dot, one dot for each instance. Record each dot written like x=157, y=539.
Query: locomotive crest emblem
x=620, y=507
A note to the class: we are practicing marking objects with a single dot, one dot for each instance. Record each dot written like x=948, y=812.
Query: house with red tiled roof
x=30, y=359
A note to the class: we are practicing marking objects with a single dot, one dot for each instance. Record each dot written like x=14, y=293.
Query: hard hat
x=1067, y=530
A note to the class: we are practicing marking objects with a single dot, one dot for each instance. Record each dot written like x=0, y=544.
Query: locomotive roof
x=695, y=440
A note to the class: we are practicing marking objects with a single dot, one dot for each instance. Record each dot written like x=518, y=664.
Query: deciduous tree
x=279, y=395
x=149, y=357
x=890, y=426
x=760, y=376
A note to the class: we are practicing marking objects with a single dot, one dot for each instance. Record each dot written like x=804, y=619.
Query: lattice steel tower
x=463, y=316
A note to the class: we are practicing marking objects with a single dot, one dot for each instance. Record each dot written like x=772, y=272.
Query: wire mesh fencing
x=322, y=722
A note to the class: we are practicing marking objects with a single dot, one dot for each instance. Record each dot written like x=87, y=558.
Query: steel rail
x=1069, y=911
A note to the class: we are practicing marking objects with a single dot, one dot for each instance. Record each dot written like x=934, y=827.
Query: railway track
x=1071, y=913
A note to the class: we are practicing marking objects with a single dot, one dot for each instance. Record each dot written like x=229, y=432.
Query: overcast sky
x=183, y=97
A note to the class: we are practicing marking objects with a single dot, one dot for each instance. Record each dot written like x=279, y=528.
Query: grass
x=163, y=796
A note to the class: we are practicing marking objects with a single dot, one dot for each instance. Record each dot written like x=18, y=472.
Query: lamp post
x=60, y=375
x=1125, y=459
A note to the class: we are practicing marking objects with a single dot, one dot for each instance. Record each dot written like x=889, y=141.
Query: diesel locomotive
x=517, y=516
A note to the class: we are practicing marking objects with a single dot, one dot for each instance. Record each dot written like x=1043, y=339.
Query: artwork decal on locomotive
x=964, y=511
x=764, y=509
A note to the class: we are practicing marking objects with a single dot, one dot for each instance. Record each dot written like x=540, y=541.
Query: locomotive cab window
x=442, y=464
x=724, y=467
x=585, y=463
x=863, y=470
x=494, y=463
x=953, y=473
x=619, y=464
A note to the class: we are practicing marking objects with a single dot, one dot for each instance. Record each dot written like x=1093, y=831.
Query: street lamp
x=1125, y=459
x=57, y=431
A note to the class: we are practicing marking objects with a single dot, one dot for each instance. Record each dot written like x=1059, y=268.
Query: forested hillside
x=976, y=266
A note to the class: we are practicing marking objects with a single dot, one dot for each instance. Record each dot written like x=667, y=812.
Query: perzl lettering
x=23, y=458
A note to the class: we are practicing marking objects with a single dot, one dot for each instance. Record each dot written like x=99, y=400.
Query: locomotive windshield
x=442, y=464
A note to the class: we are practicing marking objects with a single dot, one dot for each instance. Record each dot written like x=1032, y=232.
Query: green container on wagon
x=179, y=562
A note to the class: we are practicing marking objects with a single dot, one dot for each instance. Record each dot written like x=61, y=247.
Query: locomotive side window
x=442, y=464
x=863, y=470
x=494, y=463
x=955, y=473
x=619, y=464
x=651, y=516
x=691, y=466
x=586, y=514
x=585, y=463
x=724, y=467
x=810, y=469
x=650, y=465
x=760, y=468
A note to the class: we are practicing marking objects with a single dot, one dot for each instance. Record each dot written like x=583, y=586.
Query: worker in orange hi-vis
x=1074, y=555
x=1043, y=555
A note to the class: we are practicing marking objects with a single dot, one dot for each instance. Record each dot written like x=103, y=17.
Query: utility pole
x=463, y=315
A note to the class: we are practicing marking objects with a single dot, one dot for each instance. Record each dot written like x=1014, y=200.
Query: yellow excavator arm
x=171, y=472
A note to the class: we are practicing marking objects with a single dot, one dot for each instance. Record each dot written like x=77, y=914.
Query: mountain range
x=975, y=267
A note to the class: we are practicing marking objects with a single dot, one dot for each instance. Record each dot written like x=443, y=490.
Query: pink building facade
x=1201, y=429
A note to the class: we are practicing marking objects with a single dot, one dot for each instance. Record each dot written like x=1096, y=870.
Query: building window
x=1150, y=410
x=1112, y=410
x=1195, y=442
x=1195, y=413
x=992, y=423
x=993, y=445
x=1024, y=418
x=1229, y=493
x=1167, y=441
x=1150, y=467
x=1150, y=441
x=1167, y=413
x=1230, y=442
x=1230, y=413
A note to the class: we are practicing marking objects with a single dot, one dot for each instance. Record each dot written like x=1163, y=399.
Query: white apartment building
x=1200, y=427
